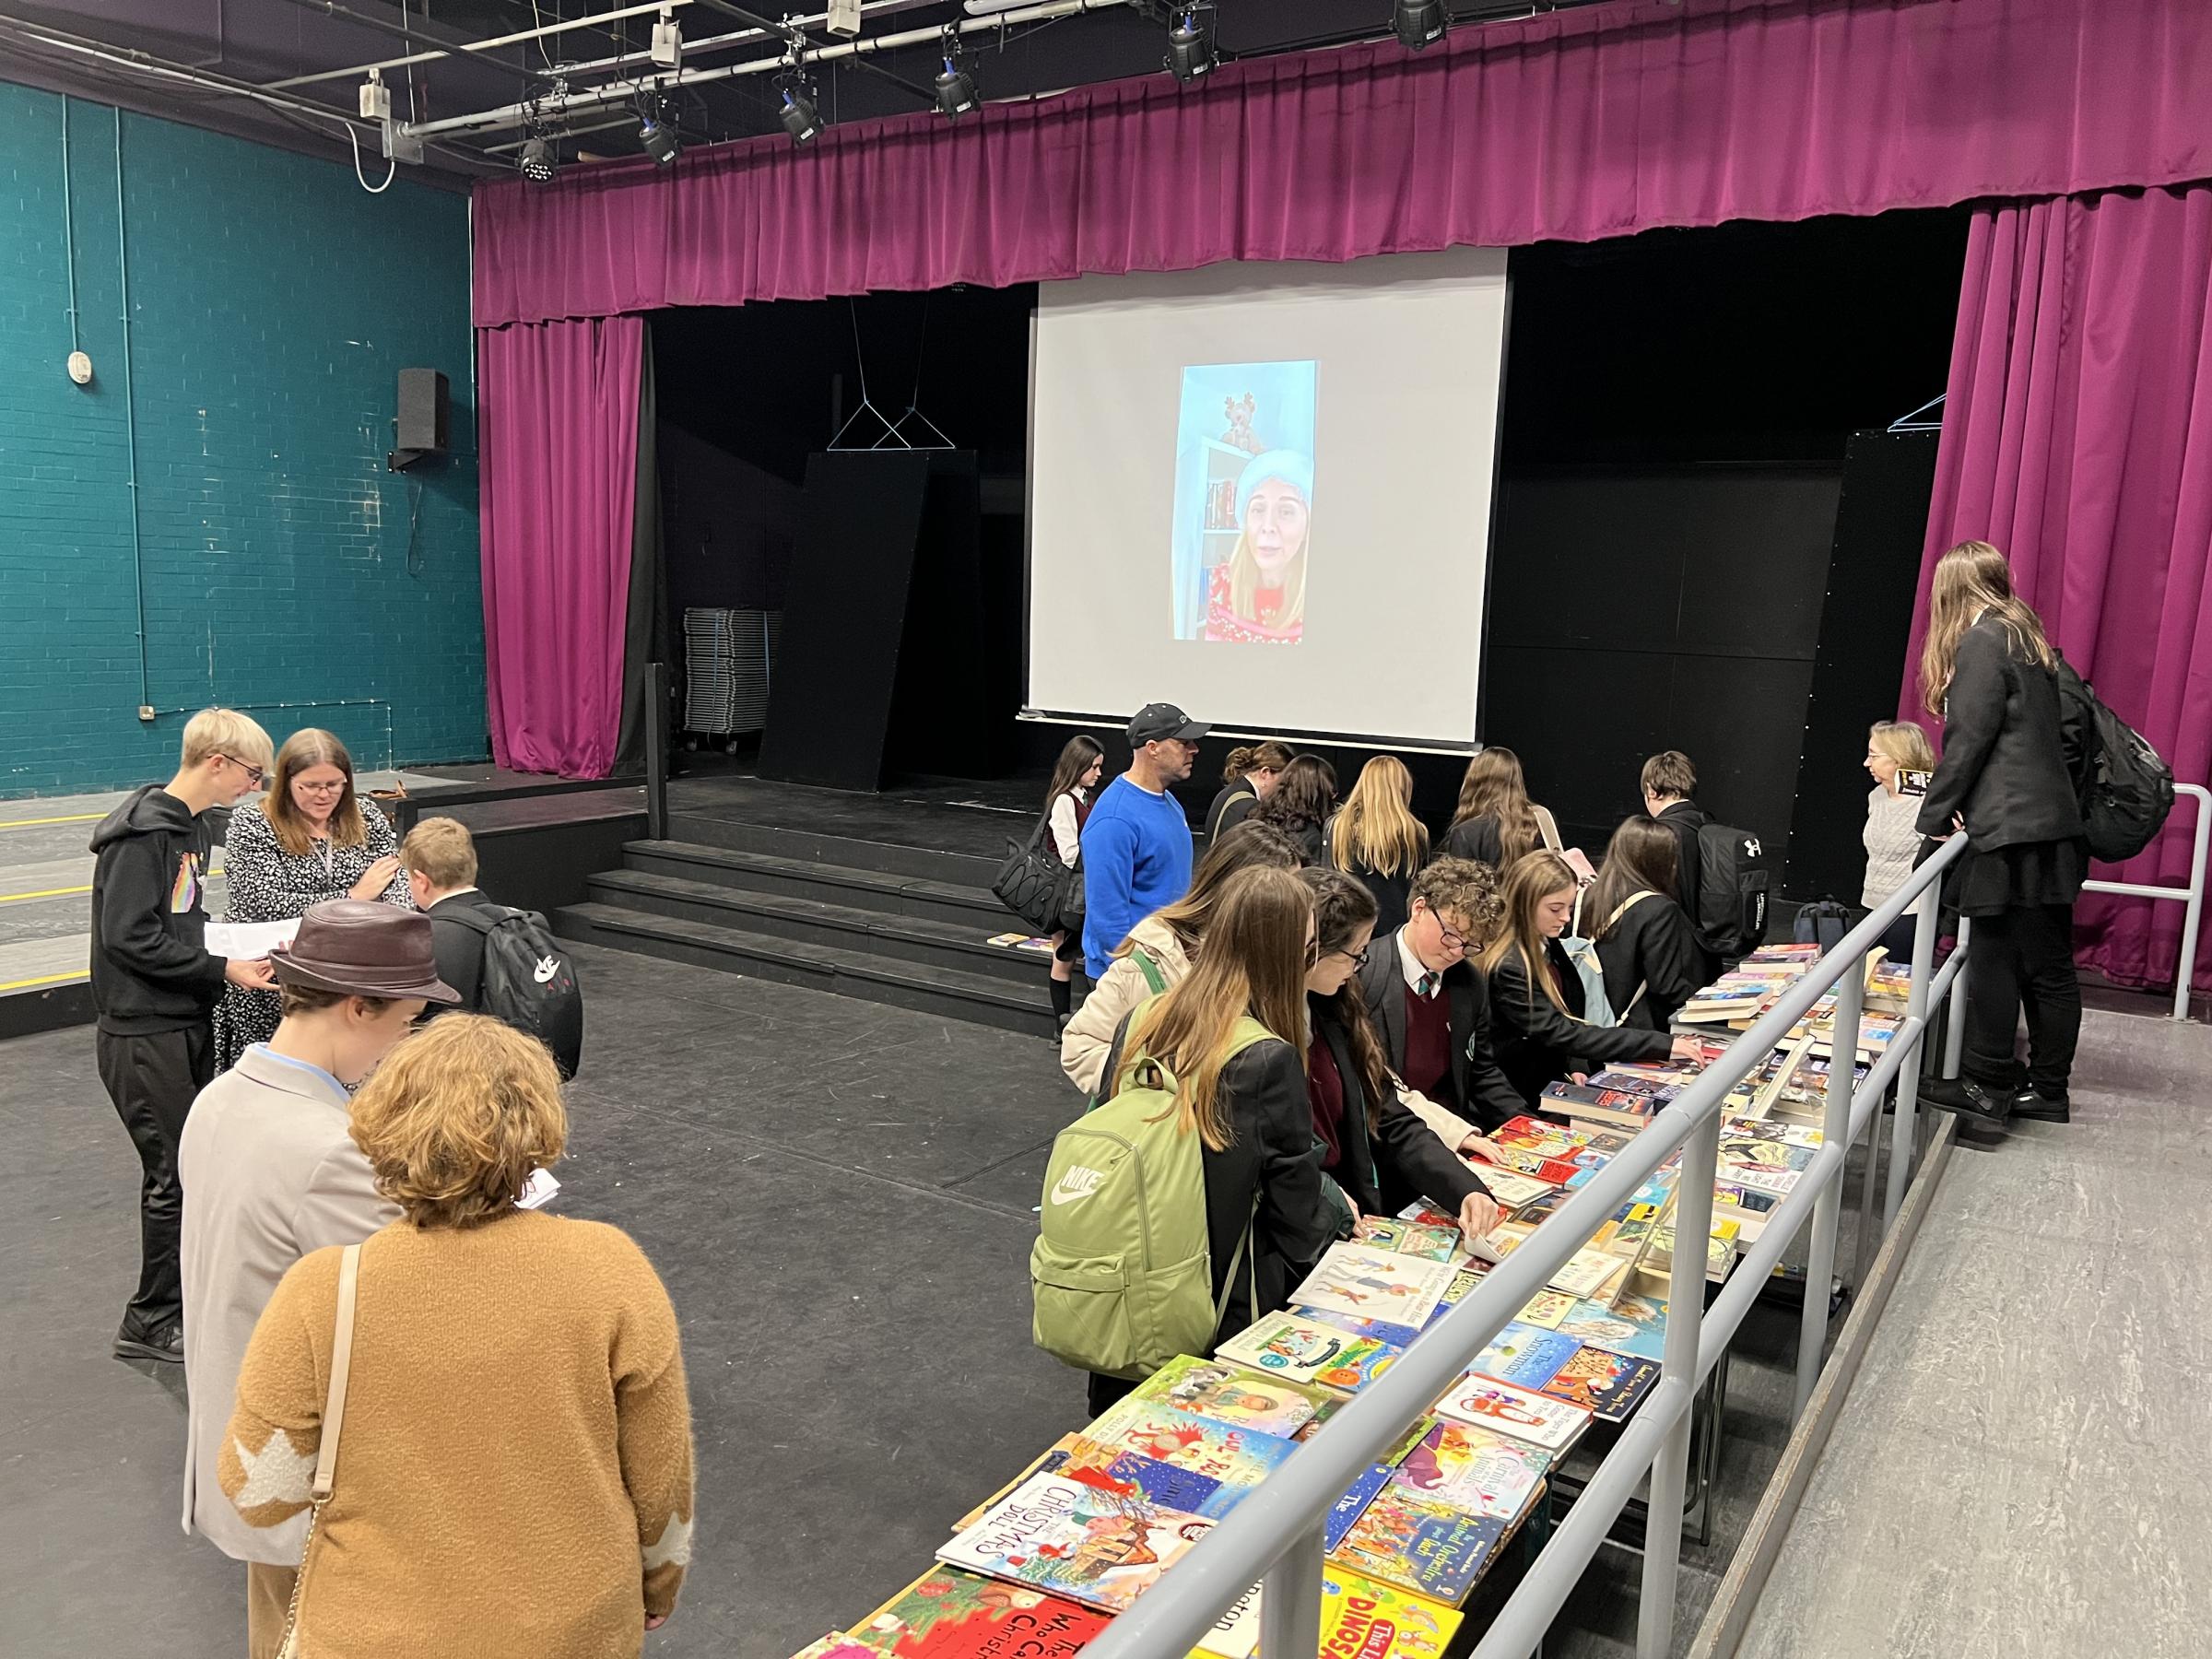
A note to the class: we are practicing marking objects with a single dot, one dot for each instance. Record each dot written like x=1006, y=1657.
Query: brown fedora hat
x=361, y=947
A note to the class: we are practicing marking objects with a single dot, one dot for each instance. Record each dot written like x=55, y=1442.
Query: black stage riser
x=906, y=938
x=845, y=852
x=966, y=907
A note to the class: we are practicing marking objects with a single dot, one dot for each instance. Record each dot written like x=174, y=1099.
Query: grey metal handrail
x=1275, y=1538
x=2192, y=897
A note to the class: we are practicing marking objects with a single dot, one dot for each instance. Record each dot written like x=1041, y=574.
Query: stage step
x=963, y=948
x=950, y=994
x=970, y=908
x=852, y=853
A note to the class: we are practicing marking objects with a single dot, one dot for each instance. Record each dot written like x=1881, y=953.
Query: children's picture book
x=1589, y=1272
x=837, y=1645
x=1477, y=1470
x=1438, y=1240
x=949, y=1614
x=1525, y=1356
x=1364, y=1618
x=1229, y=1394
x=1611, y=1385
x=1101, y=1548
x=1635, y=1326
x=1546, y=1308
x=1116, y=1469
x=1353, y=1504
x=1236, y=1634
x=1233, y=1456
x=1512, y=1189
x=1396, y=1335
x=1406, y=1540
x=1551, y=1424
x=1303, y=1350
x=1374, y=1284
x=1529, y=1146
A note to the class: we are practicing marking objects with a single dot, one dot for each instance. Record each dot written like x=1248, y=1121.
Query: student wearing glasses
x=155, y=985
x=310, y=839
x=1379, y=1154
x=1433, y=1008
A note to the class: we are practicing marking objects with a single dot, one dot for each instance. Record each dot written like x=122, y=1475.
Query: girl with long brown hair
x=1300, y=803
x=1247, y=778
x=1375, y=837
x=1536, y=1003
x=1379, y=1154
x=1067, y=803
x=1160, y=949
x=2007, y=780
x=1249, y=1110
x=1645, y=943
x=1495, y=823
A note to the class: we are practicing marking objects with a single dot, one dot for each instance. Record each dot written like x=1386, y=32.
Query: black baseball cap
x=1157, y=722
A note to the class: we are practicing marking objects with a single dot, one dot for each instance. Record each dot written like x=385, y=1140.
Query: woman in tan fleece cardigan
x=515, y=1477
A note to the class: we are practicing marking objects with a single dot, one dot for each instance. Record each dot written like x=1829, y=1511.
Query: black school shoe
x=1967, y=1098
x=164, y=1343
x=2042, y=1108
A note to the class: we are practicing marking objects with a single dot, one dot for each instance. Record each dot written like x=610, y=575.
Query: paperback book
x=1365, y=1618
x=1101, y=1548
x=1362, y=1492
x=1635, y=1326
x=837, y=1645
x=1229, y=1394
x=949, y=1613
x=1549, y=1424
x=1374, y=1284
x=1299, y=1350
x=1425, y=1239
x=1525, y=1356
x=1546, y=1308
x=1477, y=1470
x=1610, y=1385
x=1381, y=1330
x=1432, y=1550
x=1233, y=1456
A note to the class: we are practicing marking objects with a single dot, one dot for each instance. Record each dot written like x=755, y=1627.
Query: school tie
x=1425, y=987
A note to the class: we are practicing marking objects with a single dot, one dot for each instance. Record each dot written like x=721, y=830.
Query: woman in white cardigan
x=1894, y=747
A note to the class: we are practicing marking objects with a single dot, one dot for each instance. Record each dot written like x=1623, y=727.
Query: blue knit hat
x=1289, y=465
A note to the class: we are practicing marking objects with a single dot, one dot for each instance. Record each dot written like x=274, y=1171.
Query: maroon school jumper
x=1428, y=1045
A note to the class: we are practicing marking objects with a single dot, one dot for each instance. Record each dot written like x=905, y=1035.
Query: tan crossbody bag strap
x=333, y=1424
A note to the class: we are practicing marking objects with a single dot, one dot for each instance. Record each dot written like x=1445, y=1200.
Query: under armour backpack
x=528, y=980
x=2125, y=790
x=1733, y=881
x=1122, y=1273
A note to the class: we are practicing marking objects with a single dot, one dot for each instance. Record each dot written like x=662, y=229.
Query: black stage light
x=658, y=135
x=1190, y=43
x=799, y=117
x=1419, y=23
x=955, y=86
x=539, y=163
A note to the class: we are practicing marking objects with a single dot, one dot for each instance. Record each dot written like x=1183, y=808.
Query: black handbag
x=1034, y=884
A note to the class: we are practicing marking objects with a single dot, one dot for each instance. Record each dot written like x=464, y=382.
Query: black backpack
x=1823, y=923
x=2125, y=790
x=528, y=980
x=1733, y=880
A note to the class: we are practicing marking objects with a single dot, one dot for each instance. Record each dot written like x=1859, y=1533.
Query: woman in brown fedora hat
x=271, y=1172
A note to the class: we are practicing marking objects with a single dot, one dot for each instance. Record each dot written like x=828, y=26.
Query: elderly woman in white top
x=1894, y=747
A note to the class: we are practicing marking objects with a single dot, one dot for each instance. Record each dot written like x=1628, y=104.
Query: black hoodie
x=150, y=967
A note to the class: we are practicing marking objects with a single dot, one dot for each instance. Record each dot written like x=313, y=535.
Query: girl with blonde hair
x=1258, y=595
x=2006, y=780
x=1375, y=837
x=1495, y=823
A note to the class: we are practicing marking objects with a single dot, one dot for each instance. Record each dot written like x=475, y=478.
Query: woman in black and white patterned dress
x=308, y=839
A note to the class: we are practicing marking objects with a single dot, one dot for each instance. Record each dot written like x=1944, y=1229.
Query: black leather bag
x=1034, y=884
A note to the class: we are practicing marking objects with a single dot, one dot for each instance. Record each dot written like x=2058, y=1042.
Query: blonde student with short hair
x=440, y=858
x=155, y=987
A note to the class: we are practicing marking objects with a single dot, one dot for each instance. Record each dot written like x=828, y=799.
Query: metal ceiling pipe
x=510, y=115
x=356, y=70
x=409, y=33
x=869, y=8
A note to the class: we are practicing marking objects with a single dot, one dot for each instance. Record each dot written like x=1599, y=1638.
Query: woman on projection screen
x=1259, y=595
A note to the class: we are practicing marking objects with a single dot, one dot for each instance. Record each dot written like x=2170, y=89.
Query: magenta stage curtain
x=560, y=460
x=1576, y=125
x=2078, y=436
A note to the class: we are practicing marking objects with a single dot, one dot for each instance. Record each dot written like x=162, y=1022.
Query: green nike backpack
x=1121, y=1275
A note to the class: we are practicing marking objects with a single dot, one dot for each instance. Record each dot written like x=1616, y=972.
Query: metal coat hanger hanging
x=894, y=434
x=1914, y=423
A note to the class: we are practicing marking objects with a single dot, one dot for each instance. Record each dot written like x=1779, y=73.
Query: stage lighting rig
x=1419, y=23
x=539, y=162
x=657, y=133
x=955, y=86
x=1191, y=41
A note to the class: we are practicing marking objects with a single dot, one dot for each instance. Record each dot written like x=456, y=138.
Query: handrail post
x=656, y=750
x=1290, y=1601
x=1869, y=1235
x=1904, y=1132
x=2193, y=913
x=1954, y=1024
x=1678, y=1359
x=1821, y=1268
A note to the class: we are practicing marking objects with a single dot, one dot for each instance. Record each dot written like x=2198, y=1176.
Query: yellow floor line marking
x=49, y=979
x=48, y=893
x=74, y=817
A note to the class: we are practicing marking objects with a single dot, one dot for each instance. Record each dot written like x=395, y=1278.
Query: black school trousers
x=2022, y=961
x=153, y=1079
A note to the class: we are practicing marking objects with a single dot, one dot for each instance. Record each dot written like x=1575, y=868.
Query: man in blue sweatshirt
x=1136, y=841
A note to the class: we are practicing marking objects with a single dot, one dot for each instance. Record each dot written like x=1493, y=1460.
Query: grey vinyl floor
x=2021, y=1470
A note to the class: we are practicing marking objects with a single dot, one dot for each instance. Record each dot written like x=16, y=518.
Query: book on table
x=1524, y=1414
x=1609, y=1386
x=1231, y=1455
x=1100, y=1549
x=1304, y=1351
x=1419, y=1545
x=1477, y=1470
x=1231, y=1394
x=948, y=1613
x=1374, y=1284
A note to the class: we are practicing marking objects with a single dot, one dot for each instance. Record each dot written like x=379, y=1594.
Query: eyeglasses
x=337, y=788
x=1452, y=938
x=1358, y=959
x=255, y=776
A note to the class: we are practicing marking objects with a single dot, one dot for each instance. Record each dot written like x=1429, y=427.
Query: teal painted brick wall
x=272, y=302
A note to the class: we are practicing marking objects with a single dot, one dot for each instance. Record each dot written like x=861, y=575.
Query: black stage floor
x=958, y=815
x=837, y=1195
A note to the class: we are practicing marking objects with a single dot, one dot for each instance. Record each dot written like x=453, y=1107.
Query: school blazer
x=1537, y=1045
x=2004, y=749
x=1651, y=945
x=1479, y=1091
x=1401, y=1158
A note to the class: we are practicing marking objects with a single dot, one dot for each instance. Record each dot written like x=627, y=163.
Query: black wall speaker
x=422, y=418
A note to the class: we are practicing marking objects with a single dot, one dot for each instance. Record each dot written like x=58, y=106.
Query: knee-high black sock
x=1064, y=997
